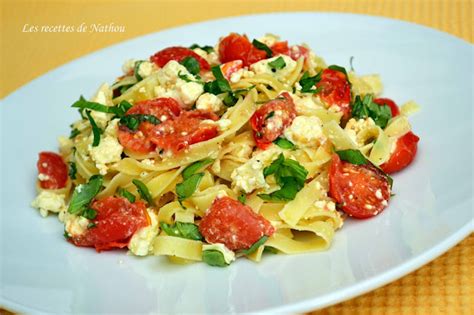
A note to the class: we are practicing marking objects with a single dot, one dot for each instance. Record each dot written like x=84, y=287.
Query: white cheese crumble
x=103, y=96
x=325, y=205
x=212, y=58
x=269, y=39
x=75, y=225
x=249, y=176
x=109, y=149
x=305, y=131
x=141, y=243
x=209, y=102
x=48, y=201
x=229, y=256
x=128, y=66
x=263, y=67
x=145, y=69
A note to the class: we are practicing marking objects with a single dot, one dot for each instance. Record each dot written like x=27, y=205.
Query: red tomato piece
x=176, y=135
x=362, y=191
x=52, y=170
x=270, y=120
x=233, y=224
x=404, y=154
x=336, y=91
x=295, y=52
x=386, y=101
x=164, y=109
x=230, y=67
x=116, y=221
x=238, y=47
x=162, y=57
x=281, y=48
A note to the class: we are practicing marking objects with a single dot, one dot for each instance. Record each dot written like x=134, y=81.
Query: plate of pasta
x=195, y=163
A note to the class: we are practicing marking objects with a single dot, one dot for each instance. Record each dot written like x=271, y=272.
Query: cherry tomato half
x=53, y=171
x=404, y=154
x=162, y=57
x=336, y=91
x=238, y=47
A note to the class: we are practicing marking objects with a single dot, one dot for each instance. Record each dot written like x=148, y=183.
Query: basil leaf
x=233, y=96
x=136, y=69
x=214, y=258
x=133, y=121
x=308, y=83
x=270, y=249
x=207, y=49
x=350, y=62
x=284, y=143
x=89, y=213
x=183, y=230
x=96, y=131
x=84, y=193
x=186, y=189
x=278, y=63
x=363, y=108
x=242, y=198
x=261, y=46
x=196, y=166
x=72, y=170
x=91, y=225
x=338, y=68
x=255, y=245
x=66, y=235
x=144, y=192
x=352, y=156
x=272, y=168
x=74, y=133
x=118, y=110
x=191, y=64
x=222, y=82
x=126, y=194
x=287, y=192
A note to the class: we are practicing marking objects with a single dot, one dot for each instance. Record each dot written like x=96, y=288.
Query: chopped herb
x=338, y=68
x=196, y=166
x=89, y=213
x=207, y=49
x=119, y=110
x=214, y=258
x=219, y=85
x=270, y=115
x=307, y=83
x=72, y=170
x=270, y=249
x=284, y=143
x=290, y=176
x=350, y=62
x=96, y=131
x=352, y=156
x=84, y=193
x=91, y=225
x=186, y=189
x=183, y=230
x=363, y=108
x=278, y=63
x=136, y=69
x=133, y=121
x=242, y=197
x=185, y=78
x=259, y=45
x=74, y=133
x=255, y=245
x=144, y=192
x=66, y=235
x=232, y=97
x=191, y=64
x=126, y=194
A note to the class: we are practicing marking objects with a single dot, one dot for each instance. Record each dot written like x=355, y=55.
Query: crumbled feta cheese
x=236, y=76
x=103, y=96
x=145, y=69
x=168, y=75
x=325, y=205
x=229, y=256
x=108, y=151
x=269, y=39
x=75, y=225
x=209, y=102
x=249, y=176
x=263, y=67
x=189, y=92
x=305, y=131
x=128, y=66
x=48, y=201
x=212, y=58
x=141, y=243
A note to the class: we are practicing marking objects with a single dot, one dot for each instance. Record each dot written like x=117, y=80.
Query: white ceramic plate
x=431, y=212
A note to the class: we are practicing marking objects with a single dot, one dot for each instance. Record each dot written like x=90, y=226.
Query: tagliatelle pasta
x=214, y=153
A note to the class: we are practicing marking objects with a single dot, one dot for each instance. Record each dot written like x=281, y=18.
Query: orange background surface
x=444, y=286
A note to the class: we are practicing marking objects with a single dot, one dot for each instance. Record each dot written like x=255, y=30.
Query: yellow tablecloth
x=443, y=286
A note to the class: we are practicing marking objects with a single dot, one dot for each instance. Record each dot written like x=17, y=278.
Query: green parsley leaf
x=363, y=108
x=214, y=258
x=255, y=246
x=191, y=64
x=186, y=189
x=96, y=131
x=284, y=143
x=338, y=68
x=278, y=63
x=84, y=193
x=352, y=156
x=290, y=176
x=136, y=69
x=261, y=46
x=143, y=191
x=89, y=213
x=307, y=83
x=133, y=121
x=196, y=166
x=183, y=230
x=242, y=197
x=125, y=193
x=74, y=133
x=72, y=170
x=207, y=49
